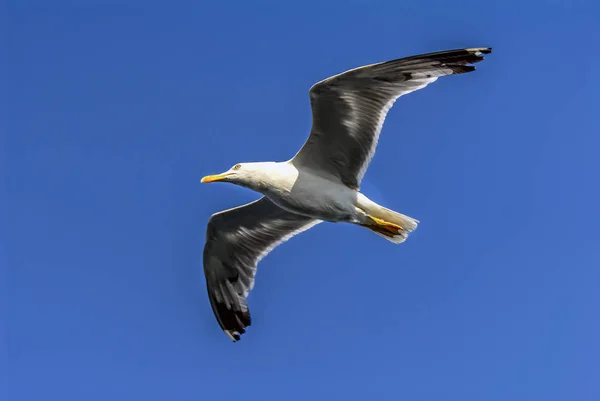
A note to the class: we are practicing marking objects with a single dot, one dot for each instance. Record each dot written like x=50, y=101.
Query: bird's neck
x=275, y=177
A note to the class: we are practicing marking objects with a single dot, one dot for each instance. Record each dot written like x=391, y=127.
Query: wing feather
x=236, y=240
x=349, y=109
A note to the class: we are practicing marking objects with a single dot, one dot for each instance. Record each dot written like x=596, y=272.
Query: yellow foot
x=386, y=225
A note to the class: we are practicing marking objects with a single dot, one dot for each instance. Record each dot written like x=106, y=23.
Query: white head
x=255, y=176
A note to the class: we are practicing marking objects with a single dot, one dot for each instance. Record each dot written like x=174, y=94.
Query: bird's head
x=251, y=175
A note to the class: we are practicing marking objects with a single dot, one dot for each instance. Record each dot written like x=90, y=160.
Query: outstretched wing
x=236, y=240
x=349, y=109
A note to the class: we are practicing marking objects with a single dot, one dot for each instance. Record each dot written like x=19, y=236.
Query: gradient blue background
x=115, y=111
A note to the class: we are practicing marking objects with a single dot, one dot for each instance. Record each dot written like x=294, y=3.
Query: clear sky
x=115, y=112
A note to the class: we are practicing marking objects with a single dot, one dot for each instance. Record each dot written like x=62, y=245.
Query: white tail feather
x=407, y=224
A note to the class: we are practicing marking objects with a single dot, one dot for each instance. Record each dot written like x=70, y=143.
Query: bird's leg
x=377, y=224
x=386, y=225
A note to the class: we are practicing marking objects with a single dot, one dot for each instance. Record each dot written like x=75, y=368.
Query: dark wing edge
x=353, y=105
x=458, y=60
x=236, y=240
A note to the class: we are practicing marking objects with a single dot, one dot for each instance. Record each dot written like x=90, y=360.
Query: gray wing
x=349, y=109
x=236, y=240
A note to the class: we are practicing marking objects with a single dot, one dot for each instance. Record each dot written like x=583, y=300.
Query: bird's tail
x=386, y=223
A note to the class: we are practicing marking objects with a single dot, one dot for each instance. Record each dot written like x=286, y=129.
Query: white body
x=307, y=193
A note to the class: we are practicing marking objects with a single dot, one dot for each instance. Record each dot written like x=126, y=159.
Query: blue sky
x=116, y=111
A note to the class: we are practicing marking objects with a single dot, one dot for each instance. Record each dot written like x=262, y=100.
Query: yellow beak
x=216, y=177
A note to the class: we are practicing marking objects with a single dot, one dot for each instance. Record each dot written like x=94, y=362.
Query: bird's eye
x=237, y=166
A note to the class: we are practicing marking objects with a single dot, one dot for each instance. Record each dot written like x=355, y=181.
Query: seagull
x=321, y=182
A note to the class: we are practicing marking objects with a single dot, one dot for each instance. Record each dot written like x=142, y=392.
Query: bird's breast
x=316, y=197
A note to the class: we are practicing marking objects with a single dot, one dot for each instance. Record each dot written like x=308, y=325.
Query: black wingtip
x=460, y=61
x=475, y=54
x=232, y=322
x=234, y=336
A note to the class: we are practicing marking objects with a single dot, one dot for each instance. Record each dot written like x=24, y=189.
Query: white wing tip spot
x=231, y=335
x=478, y=51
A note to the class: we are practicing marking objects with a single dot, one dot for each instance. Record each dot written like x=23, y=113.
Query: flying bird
x=321, y=182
